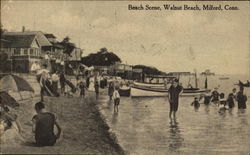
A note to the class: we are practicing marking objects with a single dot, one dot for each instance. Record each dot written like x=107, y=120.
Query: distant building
x=22, y=51
x=207, y=73
x=137, y=74
x=44, y=44
x=179, y=74
x=123, y=70
x=102, y=69
x=76, y=55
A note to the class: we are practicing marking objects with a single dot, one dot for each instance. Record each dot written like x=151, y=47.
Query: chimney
x=23, y=28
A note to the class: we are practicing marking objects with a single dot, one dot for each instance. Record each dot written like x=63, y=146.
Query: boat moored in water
x=138, y=91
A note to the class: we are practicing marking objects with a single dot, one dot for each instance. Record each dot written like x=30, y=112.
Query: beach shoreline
x=84, y=128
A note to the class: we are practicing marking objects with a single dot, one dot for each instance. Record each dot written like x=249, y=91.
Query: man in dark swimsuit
x=174, y=92
x=43, y=126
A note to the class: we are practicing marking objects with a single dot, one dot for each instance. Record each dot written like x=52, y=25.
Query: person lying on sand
x=43, y=126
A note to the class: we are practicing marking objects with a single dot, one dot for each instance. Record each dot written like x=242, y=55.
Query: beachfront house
x=25, y=48
x=22, y=51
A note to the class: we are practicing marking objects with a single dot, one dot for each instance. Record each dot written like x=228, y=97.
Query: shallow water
x=142, y=126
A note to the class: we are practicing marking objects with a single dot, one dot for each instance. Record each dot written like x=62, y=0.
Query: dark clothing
x=42, y=93
x=87, y=82
x=207, y=100
x=230, y=101
x=215, y=96
x=82, y=88
x=241, y=98
x=55, y=88
x=223, y=102
x=96, y=87
x=174, y=106
x=196, y=104
x=62, y=80
x=174, y=97
x=117, y=101
x=111, y=90
x=44, y=132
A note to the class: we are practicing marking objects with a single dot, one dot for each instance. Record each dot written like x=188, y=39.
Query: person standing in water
x=96, y=85
x=174, y=92
x=43, y=126
x=241, y=99
x=116, y=96
x=111, y=90
x=215, y=96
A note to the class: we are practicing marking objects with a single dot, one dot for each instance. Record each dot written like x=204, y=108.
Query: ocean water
x=142, y=125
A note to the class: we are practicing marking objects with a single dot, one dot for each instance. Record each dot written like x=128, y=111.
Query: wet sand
x=84, y=129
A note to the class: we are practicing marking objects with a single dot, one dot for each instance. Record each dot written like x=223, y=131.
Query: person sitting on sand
x=195, y=103
x=43, y=126
x=116, y=97
x=215, y=96
x=223, y=103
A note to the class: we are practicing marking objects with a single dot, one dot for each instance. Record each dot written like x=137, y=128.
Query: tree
x=149, y=70
x=102, y=58
x=68, y=46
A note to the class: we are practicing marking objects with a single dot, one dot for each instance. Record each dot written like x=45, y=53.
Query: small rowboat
x=124, y=91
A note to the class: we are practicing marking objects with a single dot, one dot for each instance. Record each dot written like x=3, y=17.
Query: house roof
x=42, y=40
x=57, y=45
x=49, y=35
x=18, y=41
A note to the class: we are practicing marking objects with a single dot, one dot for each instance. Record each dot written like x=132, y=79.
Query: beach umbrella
x=8, y=100
x=14, y=83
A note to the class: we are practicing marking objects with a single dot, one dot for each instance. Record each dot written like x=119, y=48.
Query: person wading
x=174, y=92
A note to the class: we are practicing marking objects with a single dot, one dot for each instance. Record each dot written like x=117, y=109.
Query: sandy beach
x=84, y=129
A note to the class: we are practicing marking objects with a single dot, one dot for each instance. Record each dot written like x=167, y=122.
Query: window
x=17, y=51
x=25, y=52
x=31, y=51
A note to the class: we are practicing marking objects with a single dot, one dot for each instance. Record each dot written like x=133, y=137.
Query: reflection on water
x=175, y=136
x=142, y=126
x=114, y=118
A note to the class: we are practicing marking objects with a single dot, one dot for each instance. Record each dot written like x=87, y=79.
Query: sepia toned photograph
x=125, y=77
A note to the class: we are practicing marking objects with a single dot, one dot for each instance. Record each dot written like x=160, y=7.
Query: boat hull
x=139, y=84
x=125, y=92
x=154, y=92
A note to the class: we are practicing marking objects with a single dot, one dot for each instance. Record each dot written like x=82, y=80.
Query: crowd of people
x=224, y=103
x=214, y=97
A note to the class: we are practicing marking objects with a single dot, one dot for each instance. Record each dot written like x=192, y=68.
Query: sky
x=172, y=41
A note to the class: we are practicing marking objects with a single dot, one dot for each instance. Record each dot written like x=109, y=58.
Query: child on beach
x=223, y=103
x=195, y=103
x=82, y=87
x=116, y=97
